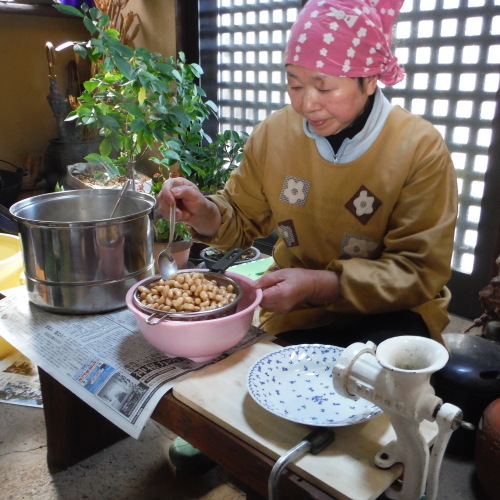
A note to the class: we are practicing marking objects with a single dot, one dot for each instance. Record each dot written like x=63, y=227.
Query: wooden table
x=229, y=427
x=76, y=431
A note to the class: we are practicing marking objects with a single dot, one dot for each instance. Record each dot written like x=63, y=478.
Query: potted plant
x=208, y=166
x=137, y=100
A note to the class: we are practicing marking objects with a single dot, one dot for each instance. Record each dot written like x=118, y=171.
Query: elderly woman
x=362, y=193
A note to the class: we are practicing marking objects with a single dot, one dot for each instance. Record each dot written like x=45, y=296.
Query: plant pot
x=180, y=252
x=211, y=255
x=81, y=176
x=11, y=180
x=487, y=449
x=195, y=254
x=59, y=154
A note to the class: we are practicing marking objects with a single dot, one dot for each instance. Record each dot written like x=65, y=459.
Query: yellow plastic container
x=11, y=262
x=6, y=349
x=11, y=275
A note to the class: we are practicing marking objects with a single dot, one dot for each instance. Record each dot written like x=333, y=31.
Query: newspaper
x=19, y=381
x=101, y=358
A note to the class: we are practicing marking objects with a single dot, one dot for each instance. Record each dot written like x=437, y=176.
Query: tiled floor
x=140, y=469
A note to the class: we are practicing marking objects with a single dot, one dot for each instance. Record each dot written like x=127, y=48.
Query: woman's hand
x=285, y=289
x=192, y=207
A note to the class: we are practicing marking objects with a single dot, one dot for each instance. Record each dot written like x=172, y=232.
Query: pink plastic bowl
x=200, y=340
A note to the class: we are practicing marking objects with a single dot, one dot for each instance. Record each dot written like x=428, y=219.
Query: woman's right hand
x=192, y=207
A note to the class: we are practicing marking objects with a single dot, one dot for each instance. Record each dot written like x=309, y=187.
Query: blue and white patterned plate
x=296, y=383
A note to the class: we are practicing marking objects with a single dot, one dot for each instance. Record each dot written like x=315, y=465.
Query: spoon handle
x=172, y=226
x=120, y=196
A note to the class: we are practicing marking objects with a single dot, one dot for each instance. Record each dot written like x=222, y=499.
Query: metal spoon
x=120, y=197
x=166, y=261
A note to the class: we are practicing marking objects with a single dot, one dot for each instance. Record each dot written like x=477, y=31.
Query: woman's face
x=329, y=103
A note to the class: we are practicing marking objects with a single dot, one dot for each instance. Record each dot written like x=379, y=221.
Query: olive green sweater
x=383, y=216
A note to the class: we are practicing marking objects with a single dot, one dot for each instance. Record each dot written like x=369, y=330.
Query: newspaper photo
x=101, y=358
x=19, y=382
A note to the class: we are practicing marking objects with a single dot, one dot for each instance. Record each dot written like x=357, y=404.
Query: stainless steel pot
x=77, y=260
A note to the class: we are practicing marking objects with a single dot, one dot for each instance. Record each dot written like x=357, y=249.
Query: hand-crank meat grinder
x=396, y=377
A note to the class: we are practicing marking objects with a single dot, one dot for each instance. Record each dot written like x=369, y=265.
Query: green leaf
x=195, y=128
x=177, y=75
x=124, y=67
x=105, y=147
x=80, y=50
x=196, y=70
x=174, y=144
x=171, y=155
x=104, y=20
x=161, y=109
x=213, y=106
x=166, y=162
x=96, y=158
x=137, y=125
x=91, y=27
x=114, y=45
x=181, y=116
x=165, y=69
x=68, y=9
x=109, y=122
x=88, y=120
x=133, y=109
x=90, y=85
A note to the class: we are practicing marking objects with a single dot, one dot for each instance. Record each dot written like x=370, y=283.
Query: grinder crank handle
x=448, y=418
x=315, y=442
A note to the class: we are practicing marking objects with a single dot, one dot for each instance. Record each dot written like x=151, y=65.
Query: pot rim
x=17, y=208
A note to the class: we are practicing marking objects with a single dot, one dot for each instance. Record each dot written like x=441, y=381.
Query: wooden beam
x=187, y=29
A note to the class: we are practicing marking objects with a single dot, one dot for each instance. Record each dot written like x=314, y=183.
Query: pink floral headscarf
x=346, y=38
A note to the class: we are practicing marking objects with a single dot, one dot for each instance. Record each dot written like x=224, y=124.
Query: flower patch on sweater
x=354, y=245
x=363, y=204
x=288, y=233
x=294, y=190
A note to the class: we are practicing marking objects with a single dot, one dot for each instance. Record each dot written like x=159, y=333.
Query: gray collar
x=351, y=149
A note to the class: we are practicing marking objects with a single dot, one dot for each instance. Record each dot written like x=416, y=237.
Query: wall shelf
x=32, y=10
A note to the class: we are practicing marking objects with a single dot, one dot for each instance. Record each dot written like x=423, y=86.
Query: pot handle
x=227, y=260
x=7, y=221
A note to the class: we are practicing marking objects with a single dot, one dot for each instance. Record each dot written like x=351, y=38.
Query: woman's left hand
x=285, y=289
